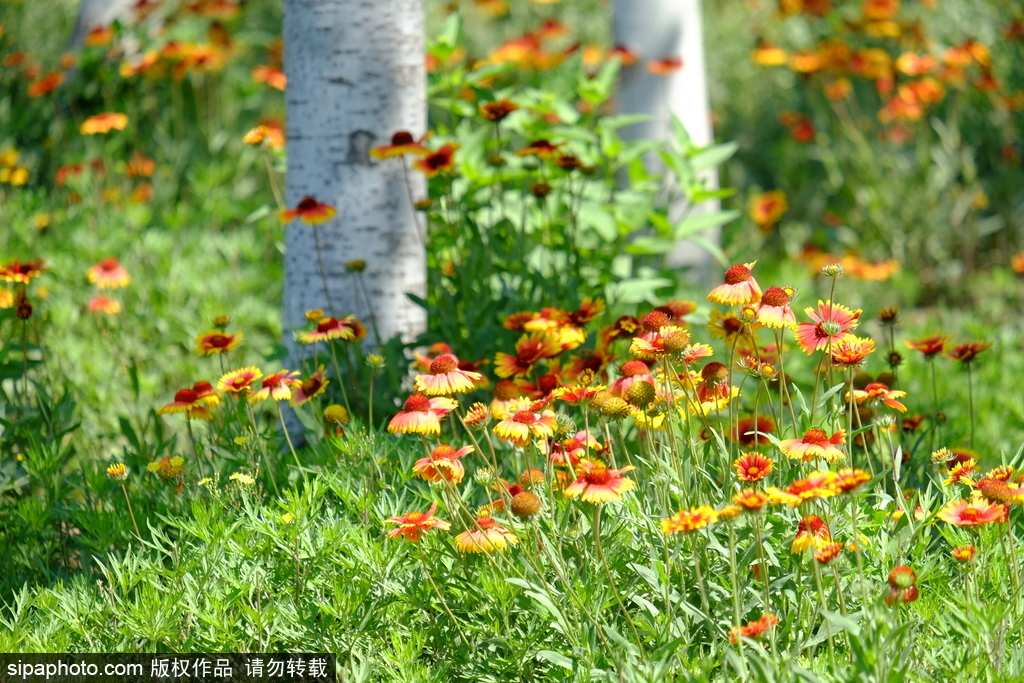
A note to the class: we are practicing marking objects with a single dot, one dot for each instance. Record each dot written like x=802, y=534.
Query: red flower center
x=775, y=296
x=486, y=523
x=816, y=437
x=218, y=341
x=634, y=367
x=443, y=364
x=418, y=403
x=186, y=396
x=109, y=263
x=402, y=138
x=547, y=383
x=307, y=204
x=737, y=274
x=203, y=388
x=414, y=517
x=654, y=321
x=326, y=325
x=442, y=453
x=715, y=373
x=599, y=476
x=524, y=417
x=970, y=513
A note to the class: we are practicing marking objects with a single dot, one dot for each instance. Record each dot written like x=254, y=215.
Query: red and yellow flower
x=402, y=143
x=239, y=381
x=598, y=484
x=753, y=467
x=486, y=536
x=686, y=521
x=311, y=387
x=443, y=464
x=445, y=378
x=309, y=211
x=21, y=273
x=421, y=415
x=774, y=310
x=216, y=341
x=277, y=386
x=816, y=443
x=967, y=352
x=930, y=347
x=412, y=526
x=194, y=402
x=443, y=160
x=739, y=288
x=832, y=323
x=533, y=422
x=753, y=629
x=767, y=208
x=876, y=392
x=973, y=512
x=810, y=530
x=348, y=328
x=103, y=123
x=108, y=274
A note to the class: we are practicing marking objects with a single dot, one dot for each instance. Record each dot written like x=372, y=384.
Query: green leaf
x=699, y=222
x=650, y=246
x=556, y=658
x=599, y=219
x=713, y=156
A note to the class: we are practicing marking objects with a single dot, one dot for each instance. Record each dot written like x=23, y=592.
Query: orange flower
x=347, y=328
x=773, y=310
x=194, y=402
x=542, y=149
x=268, y=132
x=930, y=347
x=446, y=378
x=46, y=85
x=442, y=464
x=402, y=143
x=598, y=484
x=168, y=468
x=486, y=537
x=666, y=66
x=974, y=512
x=967, y=352
x=852, y=350
x=814, y=444
x=22, y=273
x=311, y=387
x=686, y=521
x=239, y=381
x=961, y=472
x=766, y=54
x=880, y=10
x=739, y=287
x=750, y=500
x=714, y=383
x=964, y=553
x=497, y=110
x=277, y=386
x=421, y=415
x=309, y=211
x=850, y=478
x=270, y=75
x=412, y=526
x=215, y=342
x=815, y=485
x=767, y=208
x=443, y=160
x=832, y=323
x=531, y=422
x=103, y=123
x=811, y=529
x=529, y=350
x=877, y=391
x=828, y=552
x=104, y=304
x=625, y=56
x=667, y=340
x=753, y=629
x=753, y=467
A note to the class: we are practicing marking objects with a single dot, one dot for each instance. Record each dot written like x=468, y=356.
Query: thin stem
x=130, y=511
x=288, y=438
x=437, y=591
x=608, y=573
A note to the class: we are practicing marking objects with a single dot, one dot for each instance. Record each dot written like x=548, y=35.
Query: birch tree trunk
x=654, y=29
x=356, y=75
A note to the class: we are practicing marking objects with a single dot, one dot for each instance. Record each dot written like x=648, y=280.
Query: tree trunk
x=356, y=75
x=654, y=29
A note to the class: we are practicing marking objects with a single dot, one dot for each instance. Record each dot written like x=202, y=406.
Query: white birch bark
x=97, y=13
x=356, y=75
x=666, y=28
